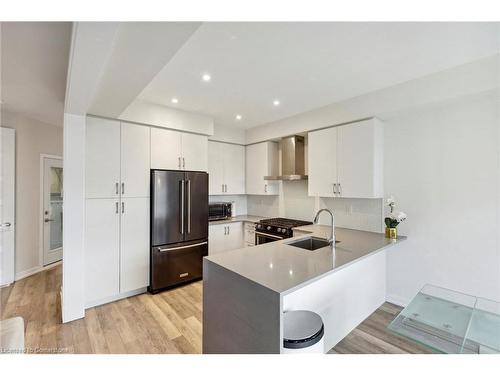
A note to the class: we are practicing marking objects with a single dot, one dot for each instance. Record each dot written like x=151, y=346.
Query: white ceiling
x=34, y=66
x=307, y=65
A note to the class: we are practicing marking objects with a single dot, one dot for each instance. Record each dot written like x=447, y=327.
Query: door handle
x=123, y=188
x=228, y=229
x=6, y=225
x=340, y=189
x=116, y=188
x=116, y=207
x=182, y=205
x=46, y=220
x=223, y=188
x=265, y=188
x=334, y=188
x=189, y=205
x=163, y=249
x=183, y=163
x=179, y=162
x=123, y=207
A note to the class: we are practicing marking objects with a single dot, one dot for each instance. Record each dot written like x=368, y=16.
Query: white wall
x=32, y=139
x=159, y=115
x=442, y=166
x=228, y=134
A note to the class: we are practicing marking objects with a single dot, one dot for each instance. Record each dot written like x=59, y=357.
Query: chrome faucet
x=331, y=240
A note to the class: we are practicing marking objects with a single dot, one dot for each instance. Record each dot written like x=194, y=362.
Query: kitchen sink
x=311, y=243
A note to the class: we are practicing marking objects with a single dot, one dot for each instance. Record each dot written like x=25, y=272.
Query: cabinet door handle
x=123, y=207
x=116, y=188
x=228, y=229
x=116, y=207
x=179, y=162
x=183, y=163
x=123, y=188
x=340, y=190
x=223, y=188
x=265, y=188
x=333, y=188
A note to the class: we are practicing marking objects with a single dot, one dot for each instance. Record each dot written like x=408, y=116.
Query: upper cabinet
x=347, y=161
x=175, y=150
x=261, y=161
x=117, y=159
x=226, y=168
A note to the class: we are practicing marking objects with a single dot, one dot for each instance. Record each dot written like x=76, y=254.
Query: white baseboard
x=23, y=274
x=397, y=300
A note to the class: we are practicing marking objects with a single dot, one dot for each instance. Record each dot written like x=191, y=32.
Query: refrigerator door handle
x=188, y=206
x=182, y=205
x=182, y=247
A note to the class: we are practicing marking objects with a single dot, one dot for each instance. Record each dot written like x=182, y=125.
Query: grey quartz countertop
x=247, y=218
x=284, y=268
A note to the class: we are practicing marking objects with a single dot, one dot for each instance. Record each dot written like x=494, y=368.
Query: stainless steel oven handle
x=269, y=235
x=182, y=247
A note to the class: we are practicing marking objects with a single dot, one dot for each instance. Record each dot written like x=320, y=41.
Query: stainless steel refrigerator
x=179, y=227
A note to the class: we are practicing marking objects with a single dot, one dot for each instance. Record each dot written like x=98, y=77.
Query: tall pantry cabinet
x=117, y=209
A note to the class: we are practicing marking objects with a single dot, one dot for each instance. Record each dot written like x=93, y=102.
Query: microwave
x=219, y=211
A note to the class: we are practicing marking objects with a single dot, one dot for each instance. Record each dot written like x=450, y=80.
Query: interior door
x=167, y=204
x=196, y=217
x=7, y=205
x=52, y=190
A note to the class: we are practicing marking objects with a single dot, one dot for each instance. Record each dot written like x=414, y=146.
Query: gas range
x=275, y=229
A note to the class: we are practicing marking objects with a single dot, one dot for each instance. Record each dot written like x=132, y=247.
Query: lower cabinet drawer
x=177, y=263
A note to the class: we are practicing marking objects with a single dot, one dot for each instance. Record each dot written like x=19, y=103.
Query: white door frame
x=41, y=215
x=8, y=260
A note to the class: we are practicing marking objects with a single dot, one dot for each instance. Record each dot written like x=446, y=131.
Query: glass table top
x=450, y=322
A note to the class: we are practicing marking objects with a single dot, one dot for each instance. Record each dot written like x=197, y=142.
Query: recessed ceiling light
x=276, y=103
x=175, y=100
x=206, y=77
x=239, y=117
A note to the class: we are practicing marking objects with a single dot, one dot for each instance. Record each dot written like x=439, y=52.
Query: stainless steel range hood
x=292, y=160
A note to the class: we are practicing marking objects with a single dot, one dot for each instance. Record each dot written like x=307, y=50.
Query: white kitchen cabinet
x=134, y=244
x=249, y=234
x=226, y=168
x=166, y=149
x=102, y=153
x=360, y=160
x=261, y=161
x=135, y=155
x=322, y=162
x=347, y=161
x=102, y=249
x=224, y=237
x=234, y=168
x=194, y=152
x=175, y=150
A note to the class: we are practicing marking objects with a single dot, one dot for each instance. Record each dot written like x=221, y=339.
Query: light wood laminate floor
x=168, y=322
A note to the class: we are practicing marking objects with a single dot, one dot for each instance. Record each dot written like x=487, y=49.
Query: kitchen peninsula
x=246, y=291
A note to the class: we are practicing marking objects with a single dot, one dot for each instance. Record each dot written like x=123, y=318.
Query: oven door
x=262, y=238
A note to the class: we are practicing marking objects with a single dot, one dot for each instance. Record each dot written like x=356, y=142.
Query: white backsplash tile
x=362, y=214
x=263, y=205
x=295, y=203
